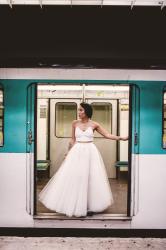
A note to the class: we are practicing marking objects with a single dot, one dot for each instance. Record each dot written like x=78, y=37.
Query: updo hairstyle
x=88, y=109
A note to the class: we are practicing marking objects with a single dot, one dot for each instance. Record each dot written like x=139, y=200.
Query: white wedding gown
x=81, y=183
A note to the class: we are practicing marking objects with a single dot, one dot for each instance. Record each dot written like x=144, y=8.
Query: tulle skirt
x=80, y=184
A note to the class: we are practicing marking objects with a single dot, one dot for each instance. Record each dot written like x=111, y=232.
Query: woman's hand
x=123, y=138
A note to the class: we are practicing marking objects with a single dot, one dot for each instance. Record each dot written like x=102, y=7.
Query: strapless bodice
x=84, y=136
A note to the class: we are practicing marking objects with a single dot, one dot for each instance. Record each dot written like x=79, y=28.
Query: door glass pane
x=102, y=113
x=164, y=121
x=1, y=117
x=65, y=113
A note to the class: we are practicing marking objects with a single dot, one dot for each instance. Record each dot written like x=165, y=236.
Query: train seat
x=43, y=167
x=121, y=166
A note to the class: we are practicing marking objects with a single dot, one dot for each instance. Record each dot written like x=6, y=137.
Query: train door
x=30, y=147
x=63, y=102
x=105, y=112
x=63, y=112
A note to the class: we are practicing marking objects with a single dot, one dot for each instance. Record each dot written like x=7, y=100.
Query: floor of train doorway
x=50, y=99
x=119, y=190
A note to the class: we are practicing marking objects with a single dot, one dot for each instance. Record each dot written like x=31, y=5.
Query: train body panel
x=148, y=198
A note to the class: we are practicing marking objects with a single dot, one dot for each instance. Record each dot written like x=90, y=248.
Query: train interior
x=57, y=107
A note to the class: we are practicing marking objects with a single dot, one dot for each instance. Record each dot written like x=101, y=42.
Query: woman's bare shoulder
x=74, y=122
x=95, y=124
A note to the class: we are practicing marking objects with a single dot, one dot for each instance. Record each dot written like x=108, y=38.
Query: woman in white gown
x=81, y=184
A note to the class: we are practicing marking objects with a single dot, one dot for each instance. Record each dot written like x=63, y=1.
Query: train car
x=37, y=107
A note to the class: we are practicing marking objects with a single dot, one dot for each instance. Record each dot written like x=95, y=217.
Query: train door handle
x=135, y=138
x=30, y=139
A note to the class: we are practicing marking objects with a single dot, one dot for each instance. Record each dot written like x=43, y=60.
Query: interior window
x=1, y=118
x=164, y=120
x=65, y=113
x=102, y=113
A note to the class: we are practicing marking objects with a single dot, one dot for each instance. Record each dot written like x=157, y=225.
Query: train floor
x=118, y=187
x=83, y=243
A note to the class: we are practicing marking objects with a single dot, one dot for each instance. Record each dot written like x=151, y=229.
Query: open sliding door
x=30, y=148
x=134, y=147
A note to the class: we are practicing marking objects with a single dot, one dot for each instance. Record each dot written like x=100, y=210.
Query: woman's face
x=81, y=112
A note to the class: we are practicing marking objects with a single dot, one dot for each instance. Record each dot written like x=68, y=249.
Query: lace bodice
x=86, y=135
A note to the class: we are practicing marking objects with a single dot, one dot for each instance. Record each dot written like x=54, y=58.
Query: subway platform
x=82, y=243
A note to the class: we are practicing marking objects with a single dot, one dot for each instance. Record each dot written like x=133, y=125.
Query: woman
x=80, y=186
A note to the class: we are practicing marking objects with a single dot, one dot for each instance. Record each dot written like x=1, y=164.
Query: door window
x=102, y=113
x=164, y=120
x=65, y=113
x=1, y=118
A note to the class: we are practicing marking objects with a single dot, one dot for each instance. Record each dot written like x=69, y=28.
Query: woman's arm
x=73, y=139
x=107, y=135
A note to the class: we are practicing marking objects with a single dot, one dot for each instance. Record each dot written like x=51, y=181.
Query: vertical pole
x=83, y=92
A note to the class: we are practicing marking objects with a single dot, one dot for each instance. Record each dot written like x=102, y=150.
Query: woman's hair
x=88, y=109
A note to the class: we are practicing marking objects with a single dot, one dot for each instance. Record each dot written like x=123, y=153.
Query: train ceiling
x=83, y=36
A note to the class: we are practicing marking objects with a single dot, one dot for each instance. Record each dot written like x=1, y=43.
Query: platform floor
x=72, y=243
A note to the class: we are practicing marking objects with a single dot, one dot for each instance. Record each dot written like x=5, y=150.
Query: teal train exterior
x=148, y=157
